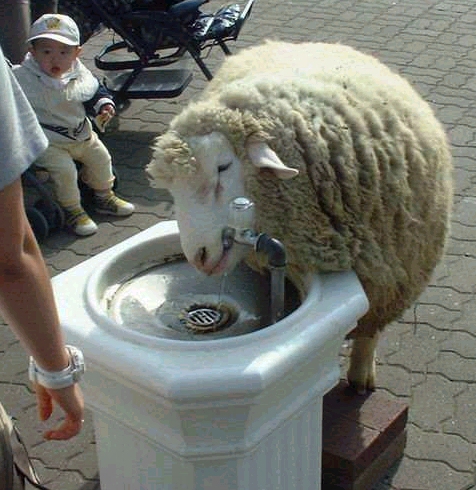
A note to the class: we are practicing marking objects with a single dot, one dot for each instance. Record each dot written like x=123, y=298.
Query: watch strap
x=59, y=379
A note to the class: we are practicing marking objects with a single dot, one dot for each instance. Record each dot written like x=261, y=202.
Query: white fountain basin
x=239, y=408
x=152, y=295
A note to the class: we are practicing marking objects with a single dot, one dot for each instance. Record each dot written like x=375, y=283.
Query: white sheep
x=346, y=164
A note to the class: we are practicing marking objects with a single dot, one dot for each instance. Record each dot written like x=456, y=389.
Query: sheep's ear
x=263, y=157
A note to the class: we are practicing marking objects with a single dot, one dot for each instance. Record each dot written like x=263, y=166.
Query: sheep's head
x=204, y=174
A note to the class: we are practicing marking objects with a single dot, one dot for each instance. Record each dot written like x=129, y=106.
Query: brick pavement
x=428, y=358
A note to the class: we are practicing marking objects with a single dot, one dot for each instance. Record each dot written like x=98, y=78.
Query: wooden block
x=363, y=435
x=368, y=479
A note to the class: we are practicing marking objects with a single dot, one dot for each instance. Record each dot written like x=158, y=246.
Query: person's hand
x=70, y=400
x=106, y=113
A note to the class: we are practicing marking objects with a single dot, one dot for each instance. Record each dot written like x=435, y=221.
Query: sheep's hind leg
x=361, y=374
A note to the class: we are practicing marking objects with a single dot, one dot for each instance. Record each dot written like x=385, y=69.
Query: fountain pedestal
x=236, y=413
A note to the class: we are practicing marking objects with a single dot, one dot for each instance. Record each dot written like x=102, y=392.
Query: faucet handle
x=241, y=214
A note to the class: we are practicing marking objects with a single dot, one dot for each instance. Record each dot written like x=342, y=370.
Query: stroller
x=157, y=37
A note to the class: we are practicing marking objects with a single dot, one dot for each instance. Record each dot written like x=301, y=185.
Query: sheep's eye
x=225, y=166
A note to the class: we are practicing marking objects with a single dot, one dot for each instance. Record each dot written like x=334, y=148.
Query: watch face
x=77, y=358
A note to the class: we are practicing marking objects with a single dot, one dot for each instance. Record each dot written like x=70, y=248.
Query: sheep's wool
x=375, y=185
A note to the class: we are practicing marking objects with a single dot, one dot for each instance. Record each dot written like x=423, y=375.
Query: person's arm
x=101, y=98
x=27, y=305
x=100, y=107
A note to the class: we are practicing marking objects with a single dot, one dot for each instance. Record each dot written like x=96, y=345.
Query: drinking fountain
x=191, y=383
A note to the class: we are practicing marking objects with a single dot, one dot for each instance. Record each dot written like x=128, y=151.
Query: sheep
x=347, y=166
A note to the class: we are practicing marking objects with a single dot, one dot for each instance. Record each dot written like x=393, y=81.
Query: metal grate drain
x=206, y=317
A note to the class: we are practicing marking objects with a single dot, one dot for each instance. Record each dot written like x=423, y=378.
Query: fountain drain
x=202, y=318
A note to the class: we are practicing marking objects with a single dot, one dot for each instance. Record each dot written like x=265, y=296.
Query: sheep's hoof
x=360, y=379
x=360, y=388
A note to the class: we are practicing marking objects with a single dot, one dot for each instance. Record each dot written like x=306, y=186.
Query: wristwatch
x=56, y=380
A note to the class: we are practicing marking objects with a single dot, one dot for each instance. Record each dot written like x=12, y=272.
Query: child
x=62, y=91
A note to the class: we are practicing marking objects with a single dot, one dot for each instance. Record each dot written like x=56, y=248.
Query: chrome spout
x=241, y=219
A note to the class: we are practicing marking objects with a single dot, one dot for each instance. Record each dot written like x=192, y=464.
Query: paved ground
x=428, y=358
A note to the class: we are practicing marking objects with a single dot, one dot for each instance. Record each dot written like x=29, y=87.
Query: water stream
x=222, y=287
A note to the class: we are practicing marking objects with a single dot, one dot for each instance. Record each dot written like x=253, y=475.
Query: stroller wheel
x=53, y=213
x=38, y=223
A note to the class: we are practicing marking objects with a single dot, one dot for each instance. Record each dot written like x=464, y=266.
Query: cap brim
x=55, y=37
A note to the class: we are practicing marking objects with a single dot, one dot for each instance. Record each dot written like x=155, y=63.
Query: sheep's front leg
x=361, y=373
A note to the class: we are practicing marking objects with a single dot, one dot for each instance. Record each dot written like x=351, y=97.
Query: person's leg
x=62, y=169
x=96, y=171
x=14, y=28
x=97, y=174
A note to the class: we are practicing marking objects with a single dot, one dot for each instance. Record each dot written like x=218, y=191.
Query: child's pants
x=96, y=169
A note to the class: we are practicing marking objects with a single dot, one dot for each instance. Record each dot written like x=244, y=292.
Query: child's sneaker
x=78, y=220
x=113, y=205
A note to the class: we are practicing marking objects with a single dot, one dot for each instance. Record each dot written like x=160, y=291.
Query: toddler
x=62, y=92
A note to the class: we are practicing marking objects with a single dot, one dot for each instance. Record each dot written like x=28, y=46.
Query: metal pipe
x=278, y=275
x=276, y=254
x=239, y=230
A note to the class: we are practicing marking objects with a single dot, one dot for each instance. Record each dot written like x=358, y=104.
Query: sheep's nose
x=201, y=256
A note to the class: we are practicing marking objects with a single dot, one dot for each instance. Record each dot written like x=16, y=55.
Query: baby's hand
x=108, y=109
x=106, y=113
